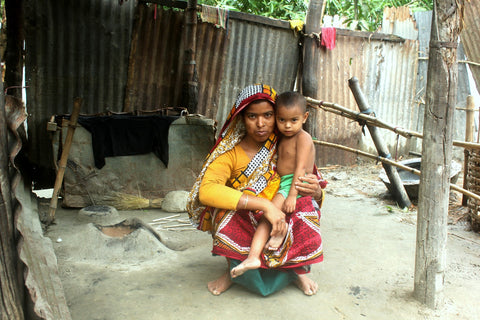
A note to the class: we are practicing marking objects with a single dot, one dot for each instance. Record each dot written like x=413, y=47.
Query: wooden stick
x=166, y=218
x=396, y=185
x=463, y=238
x=182, y=221
x=179, y=225
x=340, y=110
x=393, y=163
x=176, y=229
x=158, y=222
x=63, y=160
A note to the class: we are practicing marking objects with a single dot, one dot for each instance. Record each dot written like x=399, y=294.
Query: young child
x=296, y=157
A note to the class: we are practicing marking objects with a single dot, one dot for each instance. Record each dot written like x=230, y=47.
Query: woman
x=234, y=189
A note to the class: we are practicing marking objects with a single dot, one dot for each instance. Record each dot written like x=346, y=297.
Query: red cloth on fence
x=328, y=37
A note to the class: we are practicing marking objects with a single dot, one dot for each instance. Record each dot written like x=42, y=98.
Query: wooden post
x=430, y=259
x=311, y=60
x=470, y=129
x=189, y=97
x=396, y=184
x=313, y=24
x=63, y=159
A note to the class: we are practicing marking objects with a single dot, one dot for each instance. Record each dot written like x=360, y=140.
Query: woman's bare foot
x=216, y=287
x=307, y=285
x=247, y=264
x=275, y=242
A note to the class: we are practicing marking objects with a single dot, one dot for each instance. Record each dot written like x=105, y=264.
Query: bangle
x=246, y=202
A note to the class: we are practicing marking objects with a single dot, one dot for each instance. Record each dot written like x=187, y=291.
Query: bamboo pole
x=469, y=130
x=63, y=159
x=393, y=163
x=397, y=187
x=357, y=116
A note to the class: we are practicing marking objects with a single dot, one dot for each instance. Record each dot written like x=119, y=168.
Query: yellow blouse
x=215, y=189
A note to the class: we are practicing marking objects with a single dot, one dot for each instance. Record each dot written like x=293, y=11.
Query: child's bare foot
x=276, y=241
x=216, y=287
x=307, y=285
x=247, y=264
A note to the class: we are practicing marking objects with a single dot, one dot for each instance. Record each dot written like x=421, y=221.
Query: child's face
x=290, y=120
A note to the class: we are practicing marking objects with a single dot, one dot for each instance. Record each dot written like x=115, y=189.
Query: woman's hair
x=291, y=99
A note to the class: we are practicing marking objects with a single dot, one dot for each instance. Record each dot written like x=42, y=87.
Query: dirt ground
x=367, y=272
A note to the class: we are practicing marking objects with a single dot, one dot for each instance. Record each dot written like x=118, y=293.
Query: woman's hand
x=309, y=186
x=274, y=215
x=276, y=218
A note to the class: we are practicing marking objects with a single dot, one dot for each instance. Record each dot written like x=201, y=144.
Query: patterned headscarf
x=245, y=97
x=255, y=177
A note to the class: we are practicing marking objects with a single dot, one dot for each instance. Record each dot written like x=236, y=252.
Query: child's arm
x=304, y=155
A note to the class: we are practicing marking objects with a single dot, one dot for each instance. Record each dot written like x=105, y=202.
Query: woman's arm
x=273, y=214
x=213, y=190
x=215, y=193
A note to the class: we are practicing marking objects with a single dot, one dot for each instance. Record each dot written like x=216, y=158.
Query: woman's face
x=259, y=119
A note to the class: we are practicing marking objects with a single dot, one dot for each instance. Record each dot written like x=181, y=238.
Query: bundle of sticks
x=172, y=223
x=126, y=201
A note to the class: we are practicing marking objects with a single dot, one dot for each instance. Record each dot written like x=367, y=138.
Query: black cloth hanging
x=126, y=135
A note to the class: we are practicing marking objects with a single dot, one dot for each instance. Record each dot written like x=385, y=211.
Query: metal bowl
x=411, y=181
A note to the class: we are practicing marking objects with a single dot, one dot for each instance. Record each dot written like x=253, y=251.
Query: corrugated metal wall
x=73, y=49
x=390, y=88
x=398, y=104
x=386, y=77
x=400, y=22
x=227, y=60
x=470, y=37
x=335, y=67
x=260, y=51
x=419, y=29
x=154, y=77
x=156, y=61
x=93, y=49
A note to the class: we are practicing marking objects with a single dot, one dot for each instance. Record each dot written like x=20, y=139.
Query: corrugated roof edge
x=281, y=23
x=231, y=15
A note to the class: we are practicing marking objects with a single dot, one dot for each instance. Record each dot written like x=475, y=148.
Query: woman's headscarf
x=245, y=97
x=255, y=177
